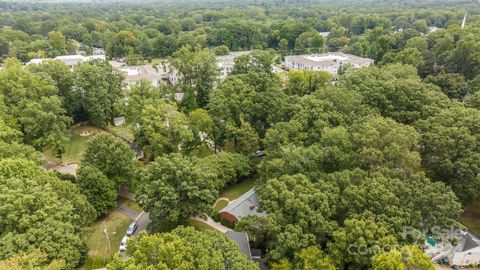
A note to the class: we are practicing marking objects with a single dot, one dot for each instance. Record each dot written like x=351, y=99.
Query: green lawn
x=202, y=151
x=125, y=130
x=130, y=203
x=75, y=147
x=220, y=205
x=471, y=217
x=236, y=190
x=199, y=225
x=116, y=224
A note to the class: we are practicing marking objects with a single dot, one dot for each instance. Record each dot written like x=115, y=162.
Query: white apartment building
x=225, y=63
x=330, y=62
x=69, y=60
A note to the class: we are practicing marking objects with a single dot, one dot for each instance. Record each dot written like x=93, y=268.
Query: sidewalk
x=210, y=222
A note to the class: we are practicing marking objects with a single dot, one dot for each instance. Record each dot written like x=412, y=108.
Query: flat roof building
x=330, y=62
x=69, y=60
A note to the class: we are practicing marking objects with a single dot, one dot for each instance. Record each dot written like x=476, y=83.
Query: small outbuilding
x=118, y=121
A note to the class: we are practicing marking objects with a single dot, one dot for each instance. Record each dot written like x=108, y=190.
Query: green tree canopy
x=171, y=191
x=99, y=190
x=112, y=156
x=183, y=248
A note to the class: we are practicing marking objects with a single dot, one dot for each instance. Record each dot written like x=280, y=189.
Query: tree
x=395, y=92
x=354, y=243
x=304, y=82
x=419, y=43
x=197, y=68
x=337, y=38
x=299, y=213
x=382, y=142
x=121, y=44
x=407, y=257
x=112, y=156
x=201, y=124
x=191, y=249
x=57, y=43
x=163, y=130
x=170, y=191
x=36, y=215
x=141, y=94
x=226, y=168
x=410, y=56
x=34, y=260
x=311, y=258
x=100, y=86
x=33, y=104
x=421, y=26
x=62, y=78
x=308, y=42
x=449, y=150
x=99, y=190
x=452, y=84
x=245, y=138
x=45, y=124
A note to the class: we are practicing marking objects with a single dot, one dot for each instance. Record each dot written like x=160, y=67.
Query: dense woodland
x=348, y=163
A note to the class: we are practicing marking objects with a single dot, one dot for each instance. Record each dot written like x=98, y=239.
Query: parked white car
x=123, y=244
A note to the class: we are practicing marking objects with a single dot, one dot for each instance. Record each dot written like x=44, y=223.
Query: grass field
x=132, y=204
x=75, y=147
x=234, y=191
x=471, y=217
x=199, y=225
x=125, y=130
x=99, y=253
x=220, y=205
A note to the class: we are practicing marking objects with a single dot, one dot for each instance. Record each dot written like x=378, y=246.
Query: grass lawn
x=75, y=147
x=157, y=60
x=471, y=217
x=130, y=203
x=125, y=130
x=199, y=225
x=116, y=224
x=236, y=190
x=202, y=151
x=220, y=205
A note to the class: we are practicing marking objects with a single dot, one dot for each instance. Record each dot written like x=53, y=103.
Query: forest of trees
x=350, y=161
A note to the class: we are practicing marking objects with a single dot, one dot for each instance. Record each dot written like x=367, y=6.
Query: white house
x=465, y=253
x=330, y=62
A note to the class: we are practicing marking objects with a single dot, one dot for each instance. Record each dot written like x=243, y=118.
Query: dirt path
x=65, y=169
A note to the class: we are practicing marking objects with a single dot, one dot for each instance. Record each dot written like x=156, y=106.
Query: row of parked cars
x=131, y=230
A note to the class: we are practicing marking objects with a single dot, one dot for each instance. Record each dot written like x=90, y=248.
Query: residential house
x=134, y=74
x=465, y=252
x=245, y=205
x=241, y=238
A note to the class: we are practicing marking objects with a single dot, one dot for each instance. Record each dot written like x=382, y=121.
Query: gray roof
x=469, y=242
x=245, y=205
x=242, y=240
x=330, y=59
